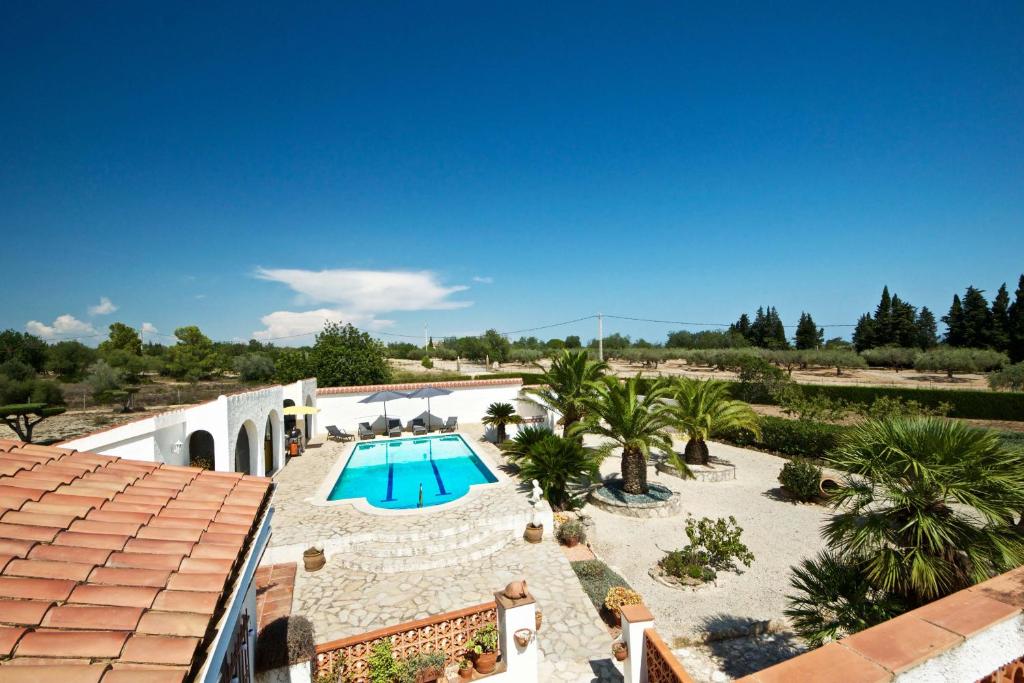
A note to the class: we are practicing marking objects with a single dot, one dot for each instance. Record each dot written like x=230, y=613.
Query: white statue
x=536, y=494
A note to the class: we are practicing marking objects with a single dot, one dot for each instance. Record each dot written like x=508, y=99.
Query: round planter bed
x=659, y=501
x=715, y=470
x=664, y=579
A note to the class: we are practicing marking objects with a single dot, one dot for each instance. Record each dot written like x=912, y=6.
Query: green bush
x=597, y=578
x=1010, y=378
x=683, y=565
x=801, y=479
x=803, y=438
x=571, y=529
x=716, y=542
x=967, y=404
x=427, y=363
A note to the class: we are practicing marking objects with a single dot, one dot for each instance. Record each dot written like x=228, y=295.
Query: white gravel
x=779, y=533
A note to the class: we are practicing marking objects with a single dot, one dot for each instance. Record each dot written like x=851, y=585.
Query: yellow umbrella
x=301, y=410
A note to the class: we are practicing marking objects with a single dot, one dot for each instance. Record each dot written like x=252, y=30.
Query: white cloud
x=104, y=307
x=368, y=291
x=149, y=328
x=298, y=327
x=64, y=326
x=483, y=280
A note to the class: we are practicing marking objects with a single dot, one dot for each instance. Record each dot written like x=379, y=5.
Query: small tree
x=839, y=360
x=254, y=367
x=23, y=417
x=808, y=335
x=344, y=356
x=959, y=361
x=122, y=338
x=26, y=400
x=193, y=358
x=499, y=415
x=894, y=357
x=69, y=359
x=1010, y=378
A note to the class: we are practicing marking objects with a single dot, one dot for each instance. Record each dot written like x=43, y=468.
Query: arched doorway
x=289, y=420
x=308, y=431
x=268, y=446
x=200, y=449
x=243, y=461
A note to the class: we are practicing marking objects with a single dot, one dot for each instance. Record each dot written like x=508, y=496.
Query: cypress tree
x=902, y=323
x=864, y=333
x=808, y=336
x=759, y=329
x=977, y=319
x=1015, y=326
x=776, y=331
x=883, y=319
x=1001, y=319
x=927, y=334
x=956, y=334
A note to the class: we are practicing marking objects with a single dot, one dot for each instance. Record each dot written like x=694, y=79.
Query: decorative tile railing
x=1011, y=672
x=447, y=633
x=662, y=665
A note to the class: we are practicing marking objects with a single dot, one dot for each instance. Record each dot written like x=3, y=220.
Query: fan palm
x=636, y=424
x=499, y=415
x=561, y=466
x=518, y=447
x=929, y=505
x=703, y=407
x=567, y=383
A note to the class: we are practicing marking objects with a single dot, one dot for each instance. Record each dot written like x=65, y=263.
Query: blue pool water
x=389, y=474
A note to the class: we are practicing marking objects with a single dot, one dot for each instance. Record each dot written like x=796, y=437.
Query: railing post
x=517, y=614
x=635, y=620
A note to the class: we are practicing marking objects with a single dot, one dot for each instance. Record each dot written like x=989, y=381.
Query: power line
x=691, y=324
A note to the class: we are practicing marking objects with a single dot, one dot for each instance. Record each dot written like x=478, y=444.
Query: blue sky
x=250, y=167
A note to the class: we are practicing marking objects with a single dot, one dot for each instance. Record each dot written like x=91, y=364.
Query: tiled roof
x=115, y=570
x=410, y=386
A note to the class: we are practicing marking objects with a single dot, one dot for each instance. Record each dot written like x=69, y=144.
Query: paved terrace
x=342, y=601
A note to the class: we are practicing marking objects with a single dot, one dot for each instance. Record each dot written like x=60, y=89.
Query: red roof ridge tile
x=405, y=386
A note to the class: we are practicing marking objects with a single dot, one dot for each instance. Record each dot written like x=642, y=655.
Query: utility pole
x=426, y=339
x=600, y=337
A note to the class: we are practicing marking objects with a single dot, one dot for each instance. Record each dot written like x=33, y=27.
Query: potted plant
x=425, y=667
x=313, y=558
x=620, y=650
x=465, y=669
x=534, y=533
x=618, y=597
x=571, y=532
x=484, y=648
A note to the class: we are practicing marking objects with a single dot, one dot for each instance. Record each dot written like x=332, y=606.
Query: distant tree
x=345, y=356
x=254, y=367
x=497, y=345
x=193, y=358
x=69, y=359
x=978, y=325
x=555, y=343
x=573, y=342
x=1010, y=378
x=292, y=365
x=27, y=348
x=740, y=327
x=864, y=334
x=122, y=338
x=1015, y=328
x=103, y=378
x=951, y=361
x=1001, y=320
x=927, y=334
x=26, y=400
x=894, y=357
x=903, y=330
x=956, y=328
x=839, y=360
x=706, y=339
x=837, y=344
x=808, y=335
x=614, y=341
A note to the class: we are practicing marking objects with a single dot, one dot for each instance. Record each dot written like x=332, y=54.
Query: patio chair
x=365, y=432
x=450, y=425
x=338, y=434
x=418, y=427
x=394, y=427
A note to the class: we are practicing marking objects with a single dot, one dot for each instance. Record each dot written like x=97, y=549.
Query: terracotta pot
x=466, y=674
x=429, y=676
x=534, y=534
x=523, y=637
x=538, y=618
x=620, y=651
x=313, y=559
x=572, y=542
x=827, y=485
x=485, y=662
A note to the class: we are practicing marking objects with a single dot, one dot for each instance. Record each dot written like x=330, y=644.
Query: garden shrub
x=620, y=596
x=803, y=438
x=683, y=564
x=965, y=403
x=717, y=543
x=285, y=641
x=597, y=578
x=801, y=479
x=427, y=363
x=571, y=529
x=382, y=667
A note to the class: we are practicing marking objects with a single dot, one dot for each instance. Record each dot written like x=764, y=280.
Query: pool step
x=391, y=558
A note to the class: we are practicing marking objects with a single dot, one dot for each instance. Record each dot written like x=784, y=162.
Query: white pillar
x=518, y=614
x=635, y=620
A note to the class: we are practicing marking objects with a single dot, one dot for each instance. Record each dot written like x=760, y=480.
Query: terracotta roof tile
x=170, y=534
x=116, y=596
x=59, y=508
x=60, y=497
x=148, y=675
x=143, y=545
x=186, y=601
x=145, y=561
x=91, y=644
x=49, y=569
x=87, y=540
x=146, y=649
x=214, y=551
x=198, y=581
x=155, y=578
x=196, y=564
x=113, y=516
x=65, y=553
x=966, y=612
x=38, y=519
x=174, y=624
x=167, y=522
x=96, y=527
x=23, y=612
x=93, y=617
x=35, y=589
x=55, y=673
x=9, y=637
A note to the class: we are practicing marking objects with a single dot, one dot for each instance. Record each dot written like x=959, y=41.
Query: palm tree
x=498, y=416
x=928, y=505
x=636, y=424
x=703, y=408
x=561, y=466
x=518, y=447
x=567, y=383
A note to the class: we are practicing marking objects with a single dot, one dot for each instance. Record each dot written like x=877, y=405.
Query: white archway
x=245, y=450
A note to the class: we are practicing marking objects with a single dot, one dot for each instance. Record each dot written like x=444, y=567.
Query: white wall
x=468, y=401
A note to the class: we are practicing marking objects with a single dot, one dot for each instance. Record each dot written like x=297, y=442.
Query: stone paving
x=342, y=601
x=275, y=587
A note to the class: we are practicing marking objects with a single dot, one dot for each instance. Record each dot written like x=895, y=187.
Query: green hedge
x=801, y=438
x=596, y=578
x=968, y=404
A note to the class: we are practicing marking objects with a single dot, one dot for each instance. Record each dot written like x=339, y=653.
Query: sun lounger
x=450, y=425
x=365, y=432
x=340, y=434
x=394, y=427
x=418, y=427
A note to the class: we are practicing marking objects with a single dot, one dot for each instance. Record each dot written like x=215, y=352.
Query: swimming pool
x=399, y=474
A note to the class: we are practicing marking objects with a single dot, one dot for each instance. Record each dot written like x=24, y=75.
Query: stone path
x=340, y=601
